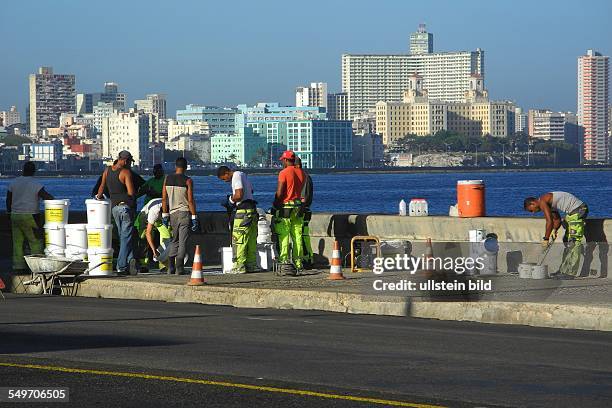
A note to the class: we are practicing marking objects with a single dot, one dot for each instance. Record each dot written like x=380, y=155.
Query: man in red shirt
x=288, y=219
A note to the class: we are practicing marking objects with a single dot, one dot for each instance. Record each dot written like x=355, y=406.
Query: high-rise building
x=371, y=78
x=313, y=95
x=593, y=104
x=547, y=125
x=337, y=106
x=520, y=120
x=421, y=42
x=219, y=119
x=420, y=115
x=50, y=96
x=100, y=111
x=154, y=103
x=321, y=144
x=86, y=101
x=134, y=131
x=10, y=117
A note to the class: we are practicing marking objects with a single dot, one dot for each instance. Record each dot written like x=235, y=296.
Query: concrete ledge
x=554, y=315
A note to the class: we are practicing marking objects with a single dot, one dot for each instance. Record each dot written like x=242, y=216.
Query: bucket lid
x=418, y=199
x=94, y=201
x=470, y=182
x=54, y=226
x=75, y=226
x=99, y=251
x=99, y=227
x=57, y=202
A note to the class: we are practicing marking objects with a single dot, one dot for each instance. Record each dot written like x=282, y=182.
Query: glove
x=195, y=223
x=166, y=219
x=545, y=244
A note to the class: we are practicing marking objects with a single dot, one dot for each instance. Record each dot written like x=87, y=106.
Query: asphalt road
x=151, y=354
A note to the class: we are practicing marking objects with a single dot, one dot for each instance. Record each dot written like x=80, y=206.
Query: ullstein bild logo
x=412, y=264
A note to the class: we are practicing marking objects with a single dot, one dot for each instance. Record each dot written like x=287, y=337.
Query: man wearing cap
x=179, y=211
x=288, y=219
x=118, y=180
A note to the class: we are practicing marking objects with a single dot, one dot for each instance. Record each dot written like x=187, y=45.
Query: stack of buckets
x=99, y=232
x=56, y=217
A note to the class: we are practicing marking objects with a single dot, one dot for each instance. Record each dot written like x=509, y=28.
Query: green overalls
x=244, y=240
x=288, y=225
x=23, y=227
x=165, y=234
x=307, y=247
x=574, y=237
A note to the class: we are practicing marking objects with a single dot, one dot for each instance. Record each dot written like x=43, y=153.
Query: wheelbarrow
x=49, y=271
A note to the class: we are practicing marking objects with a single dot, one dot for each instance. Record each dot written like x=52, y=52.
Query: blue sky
x=230, y=52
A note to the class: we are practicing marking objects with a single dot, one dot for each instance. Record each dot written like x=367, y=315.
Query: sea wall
x=519, y=238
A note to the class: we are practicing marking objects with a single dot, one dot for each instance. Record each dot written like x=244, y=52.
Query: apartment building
x=50, y=96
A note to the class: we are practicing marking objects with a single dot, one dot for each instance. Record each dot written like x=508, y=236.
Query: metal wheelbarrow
x=49, y=271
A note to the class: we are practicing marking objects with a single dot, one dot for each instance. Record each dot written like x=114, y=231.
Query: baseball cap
x=124, y=154
x=287, y=155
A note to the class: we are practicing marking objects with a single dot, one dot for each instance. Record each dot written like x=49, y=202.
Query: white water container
x=56, y=212
x=103, y=258
x=227, y=256
x=539, y=272
x=265, y=254
x=524, y=270
x=402, y=207
x=76, y=241
x=418, y=207
x=55, y=239
x=98, y=212
x=100, y=237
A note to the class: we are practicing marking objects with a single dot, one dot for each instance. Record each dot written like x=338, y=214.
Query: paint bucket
x=98, y=212
x=56, y=212
x=471, y=198
x=227, y=256
x=524, y=270
x=539, y=272
x=103, y=258
x=55, y=239
x=99, y=236
x=75, y=254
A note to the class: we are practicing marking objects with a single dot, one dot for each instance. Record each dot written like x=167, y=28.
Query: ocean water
x=381, y=192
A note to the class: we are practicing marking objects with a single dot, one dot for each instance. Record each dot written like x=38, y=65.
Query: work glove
x=166, y=219
x=195, y=223
x=227, y=203
x=545, y=244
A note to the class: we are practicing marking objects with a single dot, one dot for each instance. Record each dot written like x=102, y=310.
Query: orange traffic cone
x=335, y=268
x=196, y=269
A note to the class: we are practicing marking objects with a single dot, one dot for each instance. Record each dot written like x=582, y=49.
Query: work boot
x=253, y=269
x=132, y=267
x=287, y=269
x=237, y=271
x=171, y=265
x=179, y=270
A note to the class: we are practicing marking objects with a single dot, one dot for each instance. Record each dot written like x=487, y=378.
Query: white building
x=313, y=95
x=593, y=103
x=520, y=120
x=188, y=127
x=154, y=103
x=10, y=117
x=101, y=111
x=547, y=125
x=421, y=42
x=50, y=96
x=133, y=131
x=370, y=78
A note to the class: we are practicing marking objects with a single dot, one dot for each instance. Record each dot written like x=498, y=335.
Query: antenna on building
x=422, y=28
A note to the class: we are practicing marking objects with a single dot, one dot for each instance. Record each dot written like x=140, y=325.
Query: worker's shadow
x=595, y=237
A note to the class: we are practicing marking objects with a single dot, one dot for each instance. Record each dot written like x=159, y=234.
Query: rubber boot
x=171, y=265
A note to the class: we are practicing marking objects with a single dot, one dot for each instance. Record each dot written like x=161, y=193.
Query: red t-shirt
x=293, y=178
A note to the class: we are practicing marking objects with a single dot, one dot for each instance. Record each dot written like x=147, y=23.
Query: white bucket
x=264, y=256
x=56, y=212
x=99, y=236
x=418, y=207
x=98, y=212
x=539, y=272
x=55, y=239
x=76, y=237
x=103, y=257
x=227, y=256
x=75, y=254
x=524, y=270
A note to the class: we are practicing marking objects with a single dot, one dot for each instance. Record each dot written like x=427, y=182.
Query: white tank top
x=565, y=202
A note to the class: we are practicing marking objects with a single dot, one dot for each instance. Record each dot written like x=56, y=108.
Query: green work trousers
x=23, y=227
x=244, y=240
x=307, y=247
x=288, y=225
x=574, y=234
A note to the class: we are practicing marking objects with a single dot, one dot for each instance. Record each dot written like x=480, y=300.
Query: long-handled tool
x=546, y=251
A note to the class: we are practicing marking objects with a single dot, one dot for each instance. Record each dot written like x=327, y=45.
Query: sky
x=230, y=52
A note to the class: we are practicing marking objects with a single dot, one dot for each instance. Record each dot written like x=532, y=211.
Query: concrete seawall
x=518, y=237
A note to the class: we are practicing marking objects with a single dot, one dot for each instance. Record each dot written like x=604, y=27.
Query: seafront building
x=520, y=120
x=50, y=96
x=321, y=143
x=153, y=104
x=554, y=126
x=421, y=115
x=243, y=147
x=593, y=104
x=337, y=106
x=219, y=119
x=313, y=95
x=134, y=131
x=10, y=117
x=370, y=78
x=85, y=102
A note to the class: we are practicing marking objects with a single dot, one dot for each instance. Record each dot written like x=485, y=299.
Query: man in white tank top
x=575, y=211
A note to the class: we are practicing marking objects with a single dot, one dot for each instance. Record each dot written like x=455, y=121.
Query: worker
x=22, y=205
x=119, y=182
x=307, y=194
x=575, y=211
x=243, y=220
x=150, y=220
x=287, y=218
x=137, y=180
x=179, y=211
x=152, y=188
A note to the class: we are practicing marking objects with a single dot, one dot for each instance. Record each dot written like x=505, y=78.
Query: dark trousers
x=180, y=222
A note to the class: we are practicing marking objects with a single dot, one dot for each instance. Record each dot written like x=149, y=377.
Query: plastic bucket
x=75, y=254
x=76, y=236
x=418, y=207
x=55, y=239
x=539, y=272
x=103, y=258
x=227, y=256
x=98, y=212
x=56, y=212
x=100, y=237
x=524, y=270
x=471, y=198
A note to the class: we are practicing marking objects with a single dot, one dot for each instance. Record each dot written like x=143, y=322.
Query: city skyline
x=221, y=65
